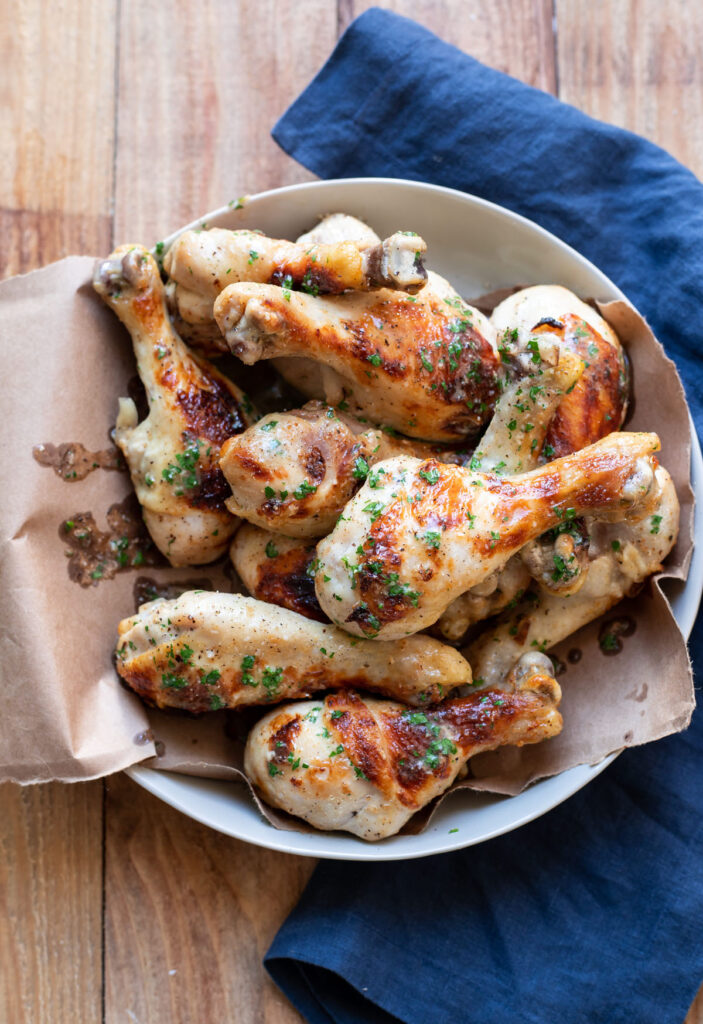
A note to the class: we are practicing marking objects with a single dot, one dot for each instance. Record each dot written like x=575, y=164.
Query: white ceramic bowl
x=479, y=247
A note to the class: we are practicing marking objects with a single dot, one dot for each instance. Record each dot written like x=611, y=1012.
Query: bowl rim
x=177, y=790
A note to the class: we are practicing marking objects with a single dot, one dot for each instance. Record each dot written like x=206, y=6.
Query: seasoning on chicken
x=277, y=569
x=366, y=766
x=295, y=471
x=621, y=556
x=512, y=444
x=208, y=261
x=598, y=402
x=173, y=454
x=204, y=651
x=403, y=551
x=426, y=365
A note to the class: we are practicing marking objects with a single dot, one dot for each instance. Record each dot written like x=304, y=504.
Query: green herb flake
x=361, y=468
x=305, y=488
x=430, y=475
x=609, y=642
x=171, y=681
x=433, y=539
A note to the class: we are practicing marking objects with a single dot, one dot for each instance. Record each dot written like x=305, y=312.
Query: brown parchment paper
x=65, y=714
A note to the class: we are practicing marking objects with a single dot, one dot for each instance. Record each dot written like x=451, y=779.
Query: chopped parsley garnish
x=315, y=564
x=182, y=471
x=375, y=359
x=171, y=681
x=656, y=523
x=609, y=642
x=562, y=571
x=247, y=663
x=271, y=549
x=308, y=285
x=374, y=509
x=361, y=469
x=397, y=589
x=430, y=475
x=533, y=347
x=211, y=677
x=271, y=679
x=433, y=539
x=437, y=749
x=305, y=488
x=268, y=426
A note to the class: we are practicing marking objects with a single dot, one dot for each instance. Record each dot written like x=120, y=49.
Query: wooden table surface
x=119, y=121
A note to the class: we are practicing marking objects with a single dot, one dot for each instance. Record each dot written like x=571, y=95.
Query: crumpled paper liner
x=66, y=715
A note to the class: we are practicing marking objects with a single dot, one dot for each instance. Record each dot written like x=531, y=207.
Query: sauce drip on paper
x=94, y=554
x=612, y=632
x=73, y=461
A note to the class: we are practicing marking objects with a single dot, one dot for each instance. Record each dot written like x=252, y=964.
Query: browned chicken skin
x=204, y=651
x=364, y=765
x=402, y=552
x=208, y=261
x=295, y=471
x=277, y=569
x=427, y=367
x=597, y=403
x=193, y=409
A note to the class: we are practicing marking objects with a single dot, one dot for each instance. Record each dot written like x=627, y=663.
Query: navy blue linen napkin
x=593, y=913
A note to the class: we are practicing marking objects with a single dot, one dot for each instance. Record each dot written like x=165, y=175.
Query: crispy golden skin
x=192, y=309
x=208, y=261
x=193, y=409
x=621, y=555
x=403, y=551
x=205, y=651
x=277, y=569
x=597, y=404
x=427, y=366
x=295, y=471
x=365, y=766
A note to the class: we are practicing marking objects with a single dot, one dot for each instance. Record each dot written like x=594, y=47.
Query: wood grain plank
x=189, y=916
x=200, y=87
x=51, y=903
x=514, y=36
x=56, y=127
x=695, y=1014
x=637, y=64
x=189, y=913
x=56, y=137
